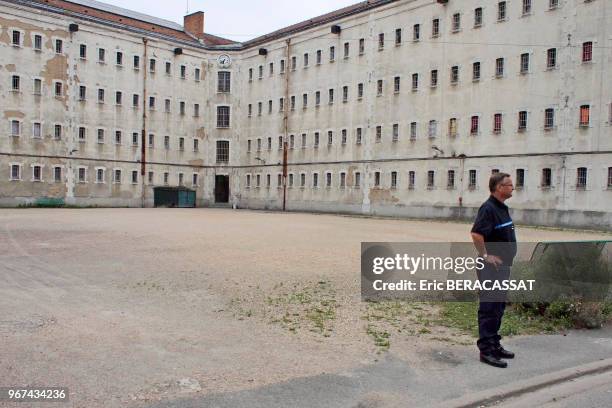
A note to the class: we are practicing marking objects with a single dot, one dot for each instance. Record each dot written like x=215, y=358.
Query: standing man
x=494, y=239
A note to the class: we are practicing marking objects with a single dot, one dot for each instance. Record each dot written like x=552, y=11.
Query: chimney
x=194, y=24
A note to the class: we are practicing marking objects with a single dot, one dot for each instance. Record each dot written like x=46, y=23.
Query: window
x=304, y=101
x=431, y=179
x=377, y=179
x=134, y=177
x=59, y=46
x=259, y=108
x=15, y=128
x=317, y=98
x=454, y=74
x=585, y=115
x=82, y=93
x=456, y=25
x=358, y=136
x=100, y=135
x=553, y=4
x=499, y=67
x=328, y=179
x=452, y=127
x=394, y=179
x=167, y=105
x=474, y=125
x=345, y=94
x=181, y=144
x=117, y=176
x=282, y=66
x=36, y=130
x=57, y=132
x=135, y=138
x=136, y=62
x=381, y=41
x=38, y=42
x=546, y=181
x=413, y=131
x=609, y=178
x=36, y=172
x=519, y=183
x=398, y=36
x=100, y=175
x=101, y=55
x=581, y=178
x=182, y=108
x=472, y=179
x=433, y=129
x=435, y=27
x=526, y=7
x=251, y=74
x=332, y=53
x=196, y=74
x=151, y=102
x=135, y=101
x=319, y=57
x=181, y=178
x=168, y=68
x=316, y=140
x=152, y=65
x=150, y=177
x=183, y=72
x=100, y=95
x=57, y=174
x=476, y=71
x=549, y=118
x=196, y=110
x=450, y=179
x=58, y=89
x=378, y=136
x=292, y=102
x=151, y=140
x=395, y=132
x=434, y=78
x=15, y=172
x=223, y=116
x=478, y=17
x=551, y=58
x=16, y=38
x=343, y=136
x=497, y=123
x=268, y=181
x=82, y=133
x=249, y=145
x=269, y=143
x=501, y=11
x=361, y=46
x=411, y=180
x=357, y=179
x=82, y=175
x=303, y=140
x=15, y=83
x=270, y=106
x=37, y=86
x=167, y=142
x=342, y=180
x=118, y=97
x=416, y=32
x=524, y=63
x=522, y=121
x=330, y=137
x=346, y=50
x=83, y=51
x=223, y=82
x=222, y=151
x=119, y=58
x=331, y=96
x=271, y=68
x=415, y=82
x=166, y=177
x=359, y=91
x=587, y=51
x=379, y=87
x=281, y=104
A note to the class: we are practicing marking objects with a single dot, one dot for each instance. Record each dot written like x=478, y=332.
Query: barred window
x=549, y=118
x=223, y=81
x=546, y=177
x=223, y=116
x=581, y=177
x=222, y=151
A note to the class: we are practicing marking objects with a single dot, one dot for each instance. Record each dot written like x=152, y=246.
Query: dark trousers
x=491, y=309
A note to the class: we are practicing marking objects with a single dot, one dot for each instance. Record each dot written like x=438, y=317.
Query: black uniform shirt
x=493, y=222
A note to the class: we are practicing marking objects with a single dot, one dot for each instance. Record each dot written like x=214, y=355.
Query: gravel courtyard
x=131, y=306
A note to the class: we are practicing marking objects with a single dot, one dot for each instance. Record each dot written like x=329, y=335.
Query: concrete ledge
x=494, y=395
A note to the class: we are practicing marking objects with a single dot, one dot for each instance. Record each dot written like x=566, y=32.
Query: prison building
x=386, y=107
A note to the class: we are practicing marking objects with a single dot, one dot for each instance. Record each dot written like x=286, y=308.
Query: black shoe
x=501, y=352
x=491, y=359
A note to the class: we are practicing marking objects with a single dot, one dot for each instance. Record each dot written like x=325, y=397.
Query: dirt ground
x=131, y=306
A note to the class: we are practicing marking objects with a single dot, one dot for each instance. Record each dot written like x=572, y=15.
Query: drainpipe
x=143, y=137
x=286, y=122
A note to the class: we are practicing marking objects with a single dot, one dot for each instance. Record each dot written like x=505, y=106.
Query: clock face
x=224, y=60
